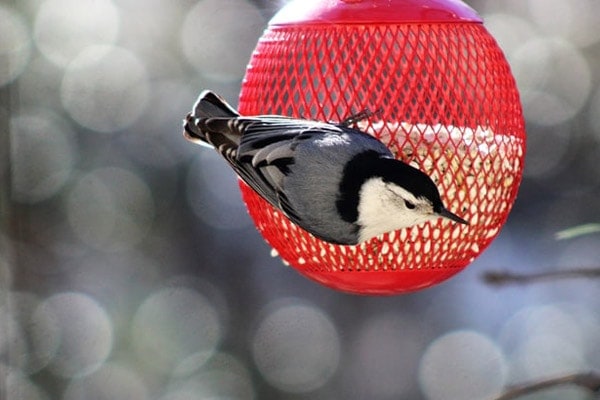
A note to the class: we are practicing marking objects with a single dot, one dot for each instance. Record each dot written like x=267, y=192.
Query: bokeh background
x=130, y=269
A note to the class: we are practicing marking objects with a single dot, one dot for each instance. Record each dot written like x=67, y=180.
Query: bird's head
x=397, y=196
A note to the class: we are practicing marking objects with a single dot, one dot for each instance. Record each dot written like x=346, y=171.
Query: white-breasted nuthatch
x=338, y=183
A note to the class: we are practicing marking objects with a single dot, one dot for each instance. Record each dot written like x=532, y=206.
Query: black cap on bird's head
x=418, y=183
x=421, y=197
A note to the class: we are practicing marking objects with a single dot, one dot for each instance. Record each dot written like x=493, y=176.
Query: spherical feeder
x=447, y=104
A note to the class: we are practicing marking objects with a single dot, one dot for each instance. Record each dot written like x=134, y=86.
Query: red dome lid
x=374, y=11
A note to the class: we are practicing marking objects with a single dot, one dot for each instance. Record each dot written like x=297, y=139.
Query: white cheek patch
x=382, y=209
x=372, y=198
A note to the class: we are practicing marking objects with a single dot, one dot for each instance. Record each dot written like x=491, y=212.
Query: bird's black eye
x=409, y=205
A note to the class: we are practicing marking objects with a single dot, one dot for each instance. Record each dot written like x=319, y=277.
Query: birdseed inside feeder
x=448, y=105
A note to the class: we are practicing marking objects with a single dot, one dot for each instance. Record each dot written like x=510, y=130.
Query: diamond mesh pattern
x=449, y=106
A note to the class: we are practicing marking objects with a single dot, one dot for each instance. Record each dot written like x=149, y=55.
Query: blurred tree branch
x=586, y=380
x=500, y=278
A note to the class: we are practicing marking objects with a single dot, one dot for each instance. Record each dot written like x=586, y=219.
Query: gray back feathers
x=296, y=165
x=313, y=186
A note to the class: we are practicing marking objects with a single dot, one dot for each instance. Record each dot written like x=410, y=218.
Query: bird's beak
x=447, y=214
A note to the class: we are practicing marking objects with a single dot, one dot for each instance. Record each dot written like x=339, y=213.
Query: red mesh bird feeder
x=448, y=106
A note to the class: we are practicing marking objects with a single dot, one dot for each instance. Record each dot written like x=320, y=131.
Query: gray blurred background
x=130, y=269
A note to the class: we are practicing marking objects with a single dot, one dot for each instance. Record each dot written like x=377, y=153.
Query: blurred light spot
x=547, y=149
x=107, y=383
x=15, y=46
x=538, y=320
x=115, y=278
x=462, y=365
x=387, y=353
x=218, y=37
x=509, y=31
x=222, y=377
x=45, y=331
x=42, y=156
x=15, y=385
x=213, y=193
x=554, y=79
x=110, y=209
x=546, y=108
x=167, y=105
x=105, y=88
x=63, y=28
x=296, y=347
x=545, y=340
x=174, y=326
x=79, y=333
x=554, y=16
x=146, y=26
x=545, y=355
x=575, y=20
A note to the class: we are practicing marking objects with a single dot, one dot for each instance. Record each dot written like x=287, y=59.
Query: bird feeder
x=446, y=103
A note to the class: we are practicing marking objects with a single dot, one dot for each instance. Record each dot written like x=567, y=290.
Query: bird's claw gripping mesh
x=449, y=106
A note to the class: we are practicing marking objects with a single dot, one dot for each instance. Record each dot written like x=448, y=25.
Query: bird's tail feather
x=208, y=106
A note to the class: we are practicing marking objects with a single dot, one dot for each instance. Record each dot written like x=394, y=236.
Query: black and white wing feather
x=260, y=149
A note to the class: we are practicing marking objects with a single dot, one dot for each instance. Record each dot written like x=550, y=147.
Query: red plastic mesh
x=449, y=107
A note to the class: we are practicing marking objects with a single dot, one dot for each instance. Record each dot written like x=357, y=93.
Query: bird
x=336, y=182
